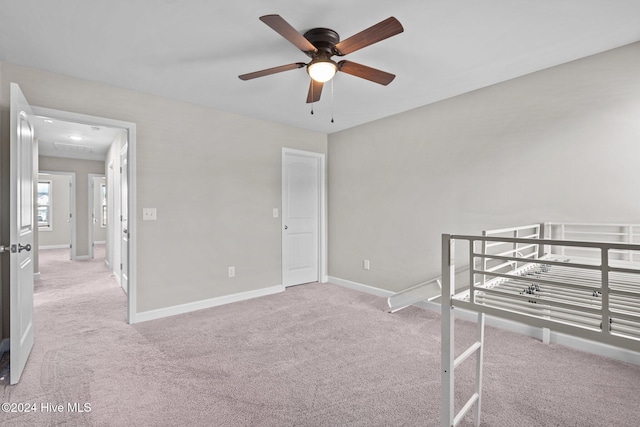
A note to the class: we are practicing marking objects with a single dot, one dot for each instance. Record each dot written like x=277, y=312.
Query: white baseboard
x=36, y=276
x=100, y=242
x=360, y=287
x=45, y=247
x=82, y=258
x=570, y=341
x=208, y=303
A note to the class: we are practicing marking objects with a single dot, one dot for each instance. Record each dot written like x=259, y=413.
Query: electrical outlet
x=232, y=272
x=366, y=265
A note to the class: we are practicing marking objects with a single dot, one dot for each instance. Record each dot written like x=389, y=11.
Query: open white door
x=21, y=233
x=301, y=207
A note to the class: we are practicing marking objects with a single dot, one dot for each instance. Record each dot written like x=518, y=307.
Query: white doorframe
x=110, y=215
x=322, y=214
x=130, y=128
x=92, y=210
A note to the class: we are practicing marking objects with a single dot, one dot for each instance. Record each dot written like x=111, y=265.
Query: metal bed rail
x=594, y=232
x=592, y=298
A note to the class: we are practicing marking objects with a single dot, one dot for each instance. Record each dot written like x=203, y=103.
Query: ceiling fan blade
x=382, y=30
x=315, y=90
x=365, y=72
x=273, y=70
x=282, y=27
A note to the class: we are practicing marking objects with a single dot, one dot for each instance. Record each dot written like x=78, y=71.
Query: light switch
x=149, y=214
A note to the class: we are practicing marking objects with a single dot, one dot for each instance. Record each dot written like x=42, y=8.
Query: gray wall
x=214, y=178
x=560, y=144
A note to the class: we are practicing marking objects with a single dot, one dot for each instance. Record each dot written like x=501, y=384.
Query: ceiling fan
x=320, y=44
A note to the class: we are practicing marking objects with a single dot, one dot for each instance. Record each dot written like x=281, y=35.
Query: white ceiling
x=60, y=138
x=194, y=50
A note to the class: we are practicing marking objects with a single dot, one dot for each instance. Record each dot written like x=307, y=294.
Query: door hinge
x=120, y=266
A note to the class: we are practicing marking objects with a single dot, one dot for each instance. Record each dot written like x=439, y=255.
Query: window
x=45, y=200
x=103, y=205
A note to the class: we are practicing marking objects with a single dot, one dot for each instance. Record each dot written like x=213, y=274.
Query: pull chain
x=312, y=97
x=332, y=100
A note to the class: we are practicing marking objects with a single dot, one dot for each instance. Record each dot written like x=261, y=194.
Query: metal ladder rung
x=468, y=352
x=472, y=401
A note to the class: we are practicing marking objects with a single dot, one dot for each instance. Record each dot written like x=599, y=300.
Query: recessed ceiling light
x=75, y=137
x=48, y=121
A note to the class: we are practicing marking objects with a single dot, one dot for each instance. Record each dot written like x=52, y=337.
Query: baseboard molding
x=36, y=276
x=360, y=287
x=82, y=258
x=208, y=303
x=45, y=247
x=100, y=242
x=565, y=340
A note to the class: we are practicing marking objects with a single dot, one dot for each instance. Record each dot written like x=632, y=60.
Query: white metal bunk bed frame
x=528, y=250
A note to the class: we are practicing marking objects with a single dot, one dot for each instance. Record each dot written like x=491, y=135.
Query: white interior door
x=22, y=145
x=301, y=193
x=124, y=213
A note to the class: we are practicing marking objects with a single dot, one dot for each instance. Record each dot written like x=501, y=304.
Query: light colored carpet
x=315, y=355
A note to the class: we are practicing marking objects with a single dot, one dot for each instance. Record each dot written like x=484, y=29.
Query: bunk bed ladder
x=449, y=362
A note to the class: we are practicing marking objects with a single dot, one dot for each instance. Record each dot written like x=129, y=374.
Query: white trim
x=360, y=287
x=46, y=247
x=36, y=276
x=100, y=242
x=91, y=212
x=208, y=303
x=322, y=217
x=565, y=340
x=82, y=258
x=132, y=294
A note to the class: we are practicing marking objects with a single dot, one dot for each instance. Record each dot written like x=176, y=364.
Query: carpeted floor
x=315, y=355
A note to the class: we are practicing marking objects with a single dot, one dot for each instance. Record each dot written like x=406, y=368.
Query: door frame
x=130, y=129
x=92, y=210
x=322, y=212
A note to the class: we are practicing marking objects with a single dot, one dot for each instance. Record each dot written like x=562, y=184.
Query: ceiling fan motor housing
x=324, y=39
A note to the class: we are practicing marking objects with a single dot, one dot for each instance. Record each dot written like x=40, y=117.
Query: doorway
x=56, y=207
x=95, y=214
x=98, y=209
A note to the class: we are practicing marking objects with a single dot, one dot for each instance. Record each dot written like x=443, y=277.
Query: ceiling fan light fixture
x=322, y=70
